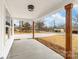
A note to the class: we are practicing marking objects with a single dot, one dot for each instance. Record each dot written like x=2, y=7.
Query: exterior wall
x=9, y=40
x=1, y=29
x=5, y=44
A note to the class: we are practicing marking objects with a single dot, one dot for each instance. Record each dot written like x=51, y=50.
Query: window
x=8, y=25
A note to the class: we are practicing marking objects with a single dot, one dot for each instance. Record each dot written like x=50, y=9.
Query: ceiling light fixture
x=30, y=7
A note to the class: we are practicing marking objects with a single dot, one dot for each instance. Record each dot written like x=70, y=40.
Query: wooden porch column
x=68, y=9
x=33, y=29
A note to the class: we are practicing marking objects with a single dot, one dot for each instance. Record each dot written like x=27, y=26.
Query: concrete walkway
x=31, y=49
x=37, y=35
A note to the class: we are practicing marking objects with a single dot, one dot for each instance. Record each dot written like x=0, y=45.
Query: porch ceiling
x=18, y=8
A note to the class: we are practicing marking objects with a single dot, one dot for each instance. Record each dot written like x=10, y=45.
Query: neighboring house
x=58, y=30
x=75, y=30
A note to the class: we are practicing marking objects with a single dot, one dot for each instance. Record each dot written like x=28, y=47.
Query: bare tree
x=39, y=26
x=75, y=20
x=27, y=27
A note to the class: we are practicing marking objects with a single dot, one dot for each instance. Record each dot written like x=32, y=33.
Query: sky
x=59, y=17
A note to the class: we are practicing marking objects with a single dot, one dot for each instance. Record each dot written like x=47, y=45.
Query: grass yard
x=60, y=40
x=16, y=32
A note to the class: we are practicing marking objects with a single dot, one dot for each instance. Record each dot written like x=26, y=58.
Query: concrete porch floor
x=31, y=49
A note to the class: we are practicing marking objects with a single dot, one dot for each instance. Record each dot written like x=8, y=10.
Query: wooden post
x=33, y=30
x=68, y=9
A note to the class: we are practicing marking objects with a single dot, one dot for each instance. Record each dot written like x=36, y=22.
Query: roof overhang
x=18, y=8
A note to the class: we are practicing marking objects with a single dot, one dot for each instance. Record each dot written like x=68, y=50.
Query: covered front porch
x=31, y=49
x=34, y=10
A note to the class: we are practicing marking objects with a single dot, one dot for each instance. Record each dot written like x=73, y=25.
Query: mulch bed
x=54, y=47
